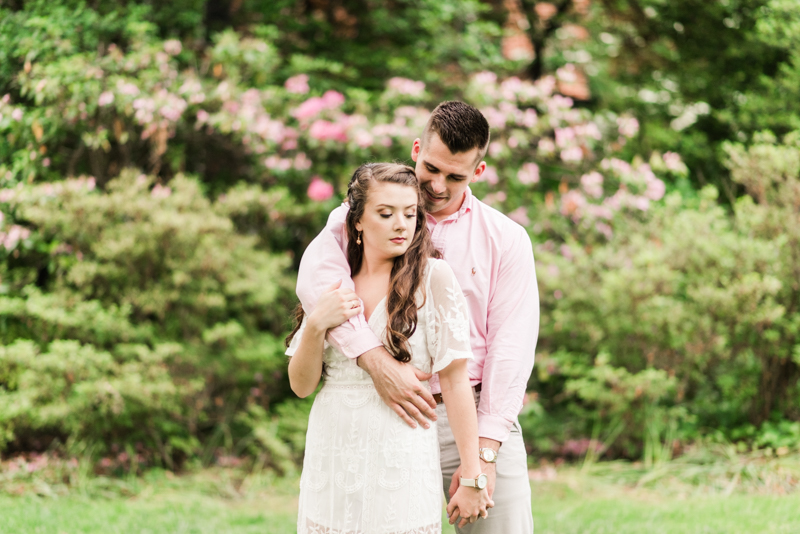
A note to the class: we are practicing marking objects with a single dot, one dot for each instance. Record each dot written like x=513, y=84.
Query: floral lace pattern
x=365, y=471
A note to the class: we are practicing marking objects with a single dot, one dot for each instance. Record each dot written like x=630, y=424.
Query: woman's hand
x=336, y=305
x=469, y=504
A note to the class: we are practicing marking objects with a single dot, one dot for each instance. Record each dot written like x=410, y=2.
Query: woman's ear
x=358, y=226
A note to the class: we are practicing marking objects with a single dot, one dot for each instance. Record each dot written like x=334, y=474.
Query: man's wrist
x=367, y=360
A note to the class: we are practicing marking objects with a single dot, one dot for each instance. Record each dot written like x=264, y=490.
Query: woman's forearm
x=461, y=413
x=305, y=367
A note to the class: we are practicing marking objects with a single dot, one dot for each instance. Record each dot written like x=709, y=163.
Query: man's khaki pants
x=512, y=493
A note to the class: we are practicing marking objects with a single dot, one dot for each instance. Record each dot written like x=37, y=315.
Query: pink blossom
x=529, y=118
x=513, y=142
x=602, y=212
x=673, y=162
x=297, y=84
x=528, y=174
x=495, y=198
x=277, y=163
x=333, y=99
x=202, y=116
x=309, y=108
x=17, y=114
x=105, y=98
x=564, y=136
x=46, y=162
x=174, y=108
x=558, y=295
x=655, y=189
x=571, y=203
x=589, y=130
x=566, y=252
x=128, y=89
x=319, y=190
x=490, y=175
x=592, y=183
x=520, y=216
x=159, y=191
x=495, y=149
x=485, y=78
x=15, y=234
x=301, y=162
x=327, y=131
x=364, y=139
x=494, y=117
x=173, y=47
x=546, y=146
x=628, y=126
x=289, y=144
x=572, y=154
x=404, y=86
x=641, y=203
x=604, y=229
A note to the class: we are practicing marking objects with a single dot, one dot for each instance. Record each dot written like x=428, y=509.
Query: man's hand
x=399, y=386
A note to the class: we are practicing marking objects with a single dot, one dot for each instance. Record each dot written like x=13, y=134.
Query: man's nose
x=437, y=184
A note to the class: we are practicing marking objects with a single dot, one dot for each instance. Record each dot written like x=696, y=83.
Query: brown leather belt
x=438, y=396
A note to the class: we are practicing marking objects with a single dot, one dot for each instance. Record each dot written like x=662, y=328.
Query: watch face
x=488, y=455
x=482, y=480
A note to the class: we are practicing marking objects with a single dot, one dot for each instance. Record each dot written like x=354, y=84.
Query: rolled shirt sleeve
x=323, y=263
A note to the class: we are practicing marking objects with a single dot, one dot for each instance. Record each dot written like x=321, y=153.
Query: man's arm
x=512, y=331
x=323, y=263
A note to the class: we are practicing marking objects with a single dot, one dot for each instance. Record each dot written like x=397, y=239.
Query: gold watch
x=488, y=455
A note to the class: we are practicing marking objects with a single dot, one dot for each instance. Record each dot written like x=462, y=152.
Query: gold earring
x=358, y=240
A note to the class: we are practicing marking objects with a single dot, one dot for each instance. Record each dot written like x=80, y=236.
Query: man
x=492, y=258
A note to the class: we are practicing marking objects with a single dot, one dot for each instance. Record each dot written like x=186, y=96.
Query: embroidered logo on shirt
x=473, y=271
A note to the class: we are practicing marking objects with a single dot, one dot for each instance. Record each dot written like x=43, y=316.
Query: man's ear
x=479, y=170
x=416, y=148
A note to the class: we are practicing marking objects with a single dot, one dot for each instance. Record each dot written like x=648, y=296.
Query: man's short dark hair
x=460, y=126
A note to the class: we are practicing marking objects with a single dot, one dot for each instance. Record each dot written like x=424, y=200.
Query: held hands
x=469, y=504
x=336, y=305
x=490, y=470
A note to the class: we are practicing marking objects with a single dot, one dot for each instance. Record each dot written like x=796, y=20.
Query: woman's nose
x=400, y=222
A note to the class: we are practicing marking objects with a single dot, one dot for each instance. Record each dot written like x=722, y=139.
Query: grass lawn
x=573, y=502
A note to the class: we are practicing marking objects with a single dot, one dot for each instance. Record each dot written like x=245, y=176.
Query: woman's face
x=389, y=219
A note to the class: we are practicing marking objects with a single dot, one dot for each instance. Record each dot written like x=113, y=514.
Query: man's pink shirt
x=492, y=259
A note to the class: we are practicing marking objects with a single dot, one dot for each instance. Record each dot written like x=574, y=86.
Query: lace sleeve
x=295, y=342
x=448, y=339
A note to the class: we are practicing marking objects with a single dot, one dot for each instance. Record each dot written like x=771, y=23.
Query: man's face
x=444, y=176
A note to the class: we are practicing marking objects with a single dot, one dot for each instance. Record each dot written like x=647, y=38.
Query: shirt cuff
x=494, y=427
x=356, y=344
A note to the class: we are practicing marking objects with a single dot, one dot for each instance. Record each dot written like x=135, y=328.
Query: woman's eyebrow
x=392, y=206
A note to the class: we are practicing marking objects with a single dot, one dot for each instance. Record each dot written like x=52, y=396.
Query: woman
x=365, y=471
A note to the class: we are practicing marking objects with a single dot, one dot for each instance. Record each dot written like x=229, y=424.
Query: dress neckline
x=380, y=306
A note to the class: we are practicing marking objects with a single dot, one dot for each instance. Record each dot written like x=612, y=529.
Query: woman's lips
x=398, y=240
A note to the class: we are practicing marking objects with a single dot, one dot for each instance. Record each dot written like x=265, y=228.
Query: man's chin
x=433, y=207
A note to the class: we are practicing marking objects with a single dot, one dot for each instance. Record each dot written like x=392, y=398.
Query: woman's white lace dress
x=365, y=470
